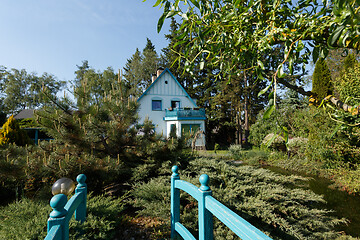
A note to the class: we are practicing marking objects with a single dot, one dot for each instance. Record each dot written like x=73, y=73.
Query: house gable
x=166, y=85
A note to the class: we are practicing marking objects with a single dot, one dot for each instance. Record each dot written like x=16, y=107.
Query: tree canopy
x=234, y=35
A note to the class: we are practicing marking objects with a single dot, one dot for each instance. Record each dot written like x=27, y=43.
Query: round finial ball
x=204, y=179
x=81, y=178
x=175, y=169
x=58, y=201
x=63, y=185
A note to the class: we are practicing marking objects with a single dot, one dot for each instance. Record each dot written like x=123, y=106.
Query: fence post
x=175, y=200
x=58, y=215
x=80, y=212
x=205, y=216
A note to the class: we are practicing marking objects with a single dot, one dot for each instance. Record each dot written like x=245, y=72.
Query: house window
x=156, y=105
x=190, y=128
x=175, y=104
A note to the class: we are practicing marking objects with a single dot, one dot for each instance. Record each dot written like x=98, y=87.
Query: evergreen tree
x=139, y=68
x=322, y=84
x=11, y=133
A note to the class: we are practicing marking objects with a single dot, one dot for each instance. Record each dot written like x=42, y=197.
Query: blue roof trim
x=167, y=70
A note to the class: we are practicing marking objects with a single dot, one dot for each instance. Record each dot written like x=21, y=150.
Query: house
x=34, y=132
x=170, y=108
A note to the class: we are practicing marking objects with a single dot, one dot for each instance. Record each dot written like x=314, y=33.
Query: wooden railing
x=208, y=206
x=58, y=222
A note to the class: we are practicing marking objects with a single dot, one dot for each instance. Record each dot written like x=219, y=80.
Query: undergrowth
x=269, y=201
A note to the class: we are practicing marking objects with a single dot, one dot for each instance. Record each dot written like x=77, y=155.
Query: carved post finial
x=204, y=181
x=175, y=170
x=81, y=178
x=58, y=203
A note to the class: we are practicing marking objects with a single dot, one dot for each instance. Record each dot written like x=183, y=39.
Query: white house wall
x=166, y=92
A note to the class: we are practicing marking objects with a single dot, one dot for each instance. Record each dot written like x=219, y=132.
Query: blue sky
x=55, y=36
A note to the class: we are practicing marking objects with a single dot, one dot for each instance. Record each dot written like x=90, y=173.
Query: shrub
x=11, y=133
x=27, y=219
x=236, y=151
x=269, y=201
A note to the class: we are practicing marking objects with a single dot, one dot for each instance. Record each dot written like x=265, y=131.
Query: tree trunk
x=246, y=110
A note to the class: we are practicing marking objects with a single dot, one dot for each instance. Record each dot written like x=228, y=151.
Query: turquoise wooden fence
x=58, y=222
x=208, y=207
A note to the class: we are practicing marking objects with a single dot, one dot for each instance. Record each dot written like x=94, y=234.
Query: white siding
x=166, y=92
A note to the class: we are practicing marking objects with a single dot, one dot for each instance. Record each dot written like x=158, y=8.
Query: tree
x=322, y=83
x=233, y=35
x=11, y=133
x=92, y=87
x=139, y=68
x=23, y=90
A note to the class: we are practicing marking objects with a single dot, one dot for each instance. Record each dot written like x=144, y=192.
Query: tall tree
x=23, y=90
x=140, y=67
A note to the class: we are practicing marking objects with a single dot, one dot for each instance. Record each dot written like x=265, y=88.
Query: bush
x=269, y=201
x=236, y=151
x=27, y=219
x=11, y=133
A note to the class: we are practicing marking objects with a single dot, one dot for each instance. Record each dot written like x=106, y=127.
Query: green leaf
x=161, y=21
x=281, y=73
x=335, y=35
x=268, y=112
x=195, y=2
x=265, y=89
x=271, y=140
x=315, y=53
x=261, y=64
x=156, y=4
x=286, y=134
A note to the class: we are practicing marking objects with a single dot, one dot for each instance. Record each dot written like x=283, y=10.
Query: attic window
x=166, y=82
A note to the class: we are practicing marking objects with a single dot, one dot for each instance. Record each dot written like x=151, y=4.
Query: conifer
x=322, y=85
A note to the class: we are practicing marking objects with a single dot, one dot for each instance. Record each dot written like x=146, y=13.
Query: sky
x=54, y=36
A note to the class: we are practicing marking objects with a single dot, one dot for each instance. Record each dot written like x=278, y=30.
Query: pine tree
x=322, y=85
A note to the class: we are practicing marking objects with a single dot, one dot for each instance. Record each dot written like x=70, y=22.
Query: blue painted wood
x=58, y=222
x=205, y=217
x=80, y=212
x=208, y=206
x=175, y=201
x=183, y=231
x=237, y=224
x=54, y=233
x=189, y=188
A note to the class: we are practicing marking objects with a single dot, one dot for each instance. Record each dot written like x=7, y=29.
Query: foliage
x=234, y=36
x=11, y=133
x=23, y=90
x=140, y=67
x=348, y=85
x=322, y=83
x=27, y=219
x=267, y=200
x=236, y=151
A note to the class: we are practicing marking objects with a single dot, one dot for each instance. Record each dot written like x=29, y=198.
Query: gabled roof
x=25, y=113
x=156, y=80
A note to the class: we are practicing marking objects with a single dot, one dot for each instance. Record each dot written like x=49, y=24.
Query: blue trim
x=183, y=118
x=167, y=70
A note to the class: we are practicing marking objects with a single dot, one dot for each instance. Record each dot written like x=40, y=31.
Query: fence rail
x=208, y=207
x=58, y=222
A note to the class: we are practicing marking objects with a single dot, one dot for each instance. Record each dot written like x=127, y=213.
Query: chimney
x=153, y=77
x=159, y=71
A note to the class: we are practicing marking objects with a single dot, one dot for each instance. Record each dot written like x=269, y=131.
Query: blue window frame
x=156, y=105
